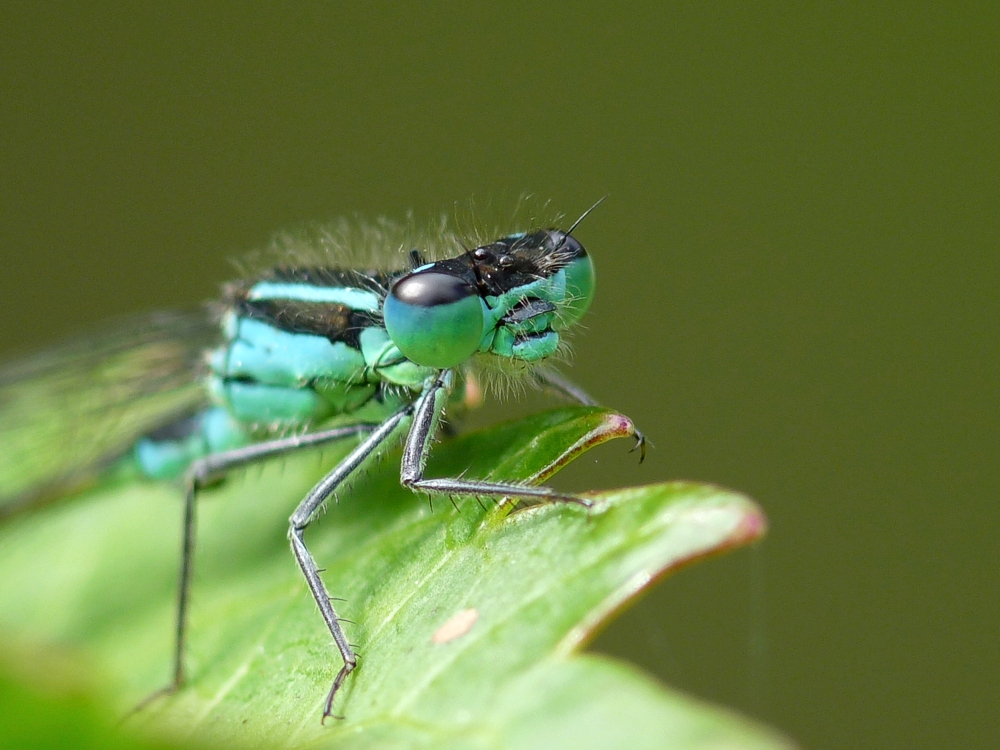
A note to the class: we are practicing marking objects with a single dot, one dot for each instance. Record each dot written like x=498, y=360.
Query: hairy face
x=509, y=298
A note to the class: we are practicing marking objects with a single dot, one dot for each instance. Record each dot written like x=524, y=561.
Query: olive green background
x=797, y=275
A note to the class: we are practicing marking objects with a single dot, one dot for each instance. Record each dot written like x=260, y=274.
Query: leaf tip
x=617, y=425
x=751, y=528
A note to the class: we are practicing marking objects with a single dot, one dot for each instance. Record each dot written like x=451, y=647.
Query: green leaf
x=528, y=589
x=46, y=701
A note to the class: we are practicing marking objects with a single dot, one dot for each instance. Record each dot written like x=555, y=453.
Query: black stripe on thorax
x=333, y=321
x=370, y=281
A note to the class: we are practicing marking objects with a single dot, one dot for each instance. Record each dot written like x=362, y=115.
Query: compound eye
x=571, y=245
x=436, y=319
x=581, y=282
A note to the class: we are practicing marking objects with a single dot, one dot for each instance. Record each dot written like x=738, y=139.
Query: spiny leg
x=307, y=511
x=555, y=381
x=428, y=412
x=202, y=472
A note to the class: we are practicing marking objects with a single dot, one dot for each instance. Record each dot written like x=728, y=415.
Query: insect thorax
x=303, y=345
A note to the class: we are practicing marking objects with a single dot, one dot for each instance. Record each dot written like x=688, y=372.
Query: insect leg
x=304, y=514
x=211, y=467
x=425, y=421
x=555, y=381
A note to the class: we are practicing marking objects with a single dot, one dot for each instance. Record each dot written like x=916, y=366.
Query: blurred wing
x=70, y=411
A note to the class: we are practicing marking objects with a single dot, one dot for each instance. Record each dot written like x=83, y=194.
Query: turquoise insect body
x=311, y=354
x=304, y=345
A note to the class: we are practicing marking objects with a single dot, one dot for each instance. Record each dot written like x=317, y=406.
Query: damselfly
x=310, y=351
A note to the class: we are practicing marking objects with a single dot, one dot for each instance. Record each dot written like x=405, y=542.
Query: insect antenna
x=576, y=223
x=554, y=254
x=585, y=214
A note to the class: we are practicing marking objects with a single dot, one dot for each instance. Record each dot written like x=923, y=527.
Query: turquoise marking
x=356, y=299
x=407, y=374
x=217, y=360
x=534, y=349
x=230, y=324
x=169, y=459
x=222, y=432
x=501, y=339
x=377, y=348
x=275, y=357
x=256, y=403
x=271, y=377
x=505, y=344
x=386, y=363
x=344, y=397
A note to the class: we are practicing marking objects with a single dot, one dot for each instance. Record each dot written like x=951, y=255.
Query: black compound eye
x=429, y=289
x=480, y=253
x=568, y=245
x=506, y=261
x=435, y=319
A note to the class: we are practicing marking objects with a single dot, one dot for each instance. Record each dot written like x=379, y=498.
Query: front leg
x=555, y=381
x=425, y=422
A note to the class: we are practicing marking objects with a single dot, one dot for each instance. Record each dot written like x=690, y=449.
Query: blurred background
x=798, y=275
